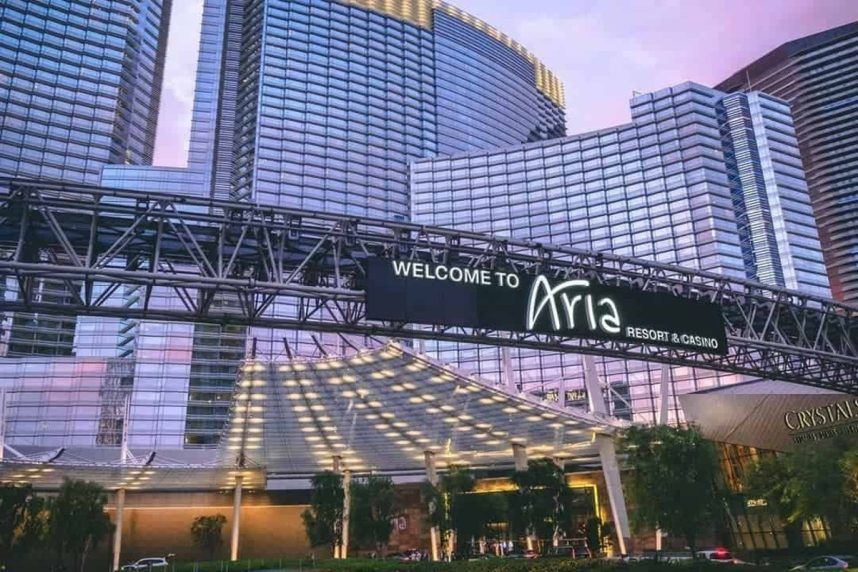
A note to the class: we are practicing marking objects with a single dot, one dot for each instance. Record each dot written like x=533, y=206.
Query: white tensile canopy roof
x=379, y=410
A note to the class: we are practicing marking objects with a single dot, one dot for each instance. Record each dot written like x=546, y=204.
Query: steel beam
x=92, y=239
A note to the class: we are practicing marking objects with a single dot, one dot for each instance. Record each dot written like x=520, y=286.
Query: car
x=569, y=551
x=412, y=555
x=146, y=564
x=718, y=556
x=625, y=559
x=840, y=562
x=526, y=554
x=675, y=557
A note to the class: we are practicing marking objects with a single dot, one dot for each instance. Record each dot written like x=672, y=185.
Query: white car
x=146, y=564
x=718, y=556
x=829, y=563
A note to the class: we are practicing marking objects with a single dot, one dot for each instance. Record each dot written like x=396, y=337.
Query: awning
x=378, y=410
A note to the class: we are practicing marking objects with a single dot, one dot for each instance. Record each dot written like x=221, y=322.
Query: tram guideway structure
x=98, y=240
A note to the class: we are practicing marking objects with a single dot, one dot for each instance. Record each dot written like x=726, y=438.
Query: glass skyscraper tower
x=412, y=108
x=699, y=178
x=80, y=84
x=818, y=76
x=322, y=105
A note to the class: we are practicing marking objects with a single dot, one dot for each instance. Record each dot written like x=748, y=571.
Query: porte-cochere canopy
x=383, y=409
x=378, y=410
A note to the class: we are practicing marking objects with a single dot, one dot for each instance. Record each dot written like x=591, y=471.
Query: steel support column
x=595, y=397
x=663, y=409
x=2, y=424
x=608, y=457
x=664, y=395
x=236, y=519
x=616, y=498
x=432, y=477
x=347, y=505
x=117, y=534
x=519, y=456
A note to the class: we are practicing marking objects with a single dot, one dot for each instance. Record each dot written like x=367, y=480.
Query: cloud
x=182, y=49
x=177, y=95
x=598, y=64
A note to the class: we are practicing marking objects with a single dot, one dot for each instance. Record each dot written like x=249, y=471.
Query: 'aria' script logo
x=569, y=301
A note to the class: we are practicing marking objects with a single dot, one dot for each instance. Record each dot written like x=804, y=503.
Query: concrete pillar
x=519, y=455
x=347, y=505
x=432, y=477
x=236, y=518
x=117, y=535
x=616, y=498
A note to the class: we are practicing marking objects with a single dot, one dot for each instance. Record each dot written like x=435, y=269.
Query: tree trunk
x=83, y=554
x=691, y=539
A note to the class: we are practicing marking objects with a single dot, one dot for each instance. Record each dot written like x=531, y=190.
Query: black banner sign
x=423, y=293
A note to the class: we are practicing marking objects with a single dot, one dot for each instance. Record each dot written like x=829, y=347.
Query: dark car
x=569, y=551
x=413, y=555
x=527, y=554
x=146, y=564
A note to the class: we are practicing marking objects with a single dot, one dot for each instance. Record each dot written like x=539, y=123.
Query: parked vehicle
x=625, y=558
x=525, y=554
x=676, y=557
x=719, y=556
x=575, y=548
x=145, y=564
x=841, y=562
x=412, y=555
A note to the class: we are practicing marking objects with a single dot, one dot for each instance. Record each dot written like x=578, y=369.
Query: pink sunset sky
x=602, y=50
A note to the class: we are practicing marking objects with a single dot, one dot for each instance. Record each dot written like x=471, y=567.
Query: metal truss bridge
x=286, y=268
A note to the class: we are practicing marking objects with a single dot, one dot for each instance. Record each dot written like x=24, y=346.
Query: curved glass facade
x=486, y=92
x=681, y=184
x=816, y=75
x=334, y=99
x=80, y=84
x=322, y=105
